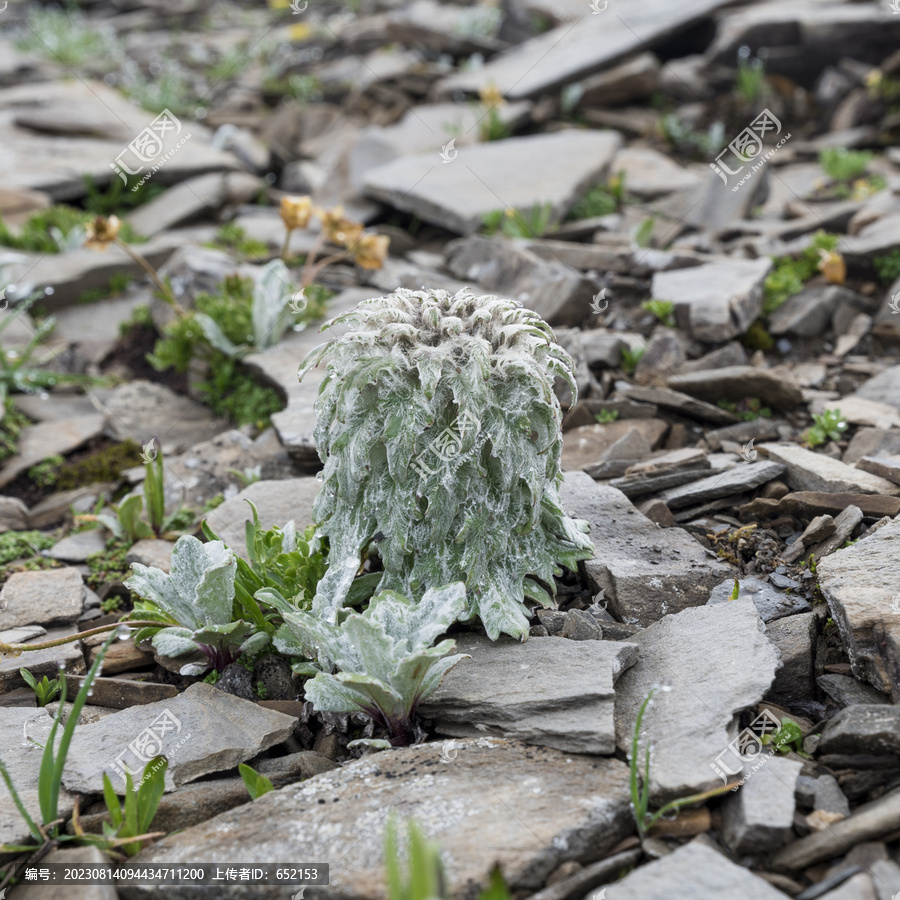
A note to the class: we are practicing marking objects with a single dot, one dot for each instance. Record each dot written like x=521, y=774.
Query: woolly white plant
x=441, y=437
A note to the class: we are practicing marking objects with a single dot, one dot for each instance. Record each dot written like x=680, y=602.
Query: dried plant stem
x=16, y=649
x=154, y=277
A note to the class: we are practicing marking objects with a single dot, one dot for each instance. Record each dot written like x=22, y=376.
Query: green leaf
x=199, y=589
x=257, y=784
x=112, y=802
x=151, y=791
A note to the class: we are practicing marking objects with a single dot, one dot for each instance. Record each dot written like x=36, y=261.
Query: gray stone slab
x=278, y=503
x=76, y=271
x=693, y=871
x=142, y=410
x=845, y=690
x=746, y=476
x=678, y=402
x=717, y=661
x=882, y=466
x=56, y=162
x=485, y=801
x=208, y=469
x=151, y=552
x=428, y=126
x=795, y=639
x=201, y=731
x=759, y=816
x=37, y=442
x=885, y=388
x=717, y=301
x=76, y=548
x=498, y=175
x=863, y=728
x=647, y=572
x=772, y=387
x=44, y=597
x=558, y=293
x=861, y=584
x=572, y=51
x=810, y=471
x=549, y=691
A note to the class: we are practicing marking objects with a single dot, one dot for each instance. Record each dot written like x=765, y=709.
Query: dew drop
x=744, y=52
x=123, y=632
x=60, y=664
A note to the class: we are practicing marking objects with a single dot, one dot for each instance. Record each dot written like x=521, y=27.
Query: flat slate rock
x=202, y=730
x=845, y=690
x=809, y=471
x=278, y=503
x=495, y=801
x=571, y=51
x=499, y=174
x=863, y=728
x=771, y=604
x=584, y=446
x=77, y=547
x=646, y=571
x=746, y=476
x=681, y=403
x=760, y=816
x=772, y=388
x=142, y=410
x=716, y=301
x=717, y=661
x=548, y=691
x=884, y=388
x=861, y=584
x=44, y=597
x=92, y=124
x=58, y=438
x=695, y=871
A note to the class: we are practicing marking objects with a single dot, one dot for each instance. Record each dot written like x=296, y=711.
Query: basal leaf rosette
x=441, y=437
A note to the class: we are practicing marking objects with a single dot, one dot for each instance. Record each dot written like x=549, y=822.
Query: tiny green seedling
x=662, y=309
x=828, y=425
x=45, y=690
x=133, y=819
x=631, y=358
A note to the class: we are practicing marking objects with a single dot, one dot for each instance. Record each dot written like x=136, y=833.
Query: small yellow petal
x=300, y=32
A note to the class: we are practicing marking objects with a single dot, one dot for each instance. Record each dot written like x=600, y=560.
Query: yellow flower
x=833, y=267
x=873, y=79
x=102, y=232
x=300, y=32
x=295, y=212
x=279, y=4
x=490, y=95
x=371, y=250
x=338, y=229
